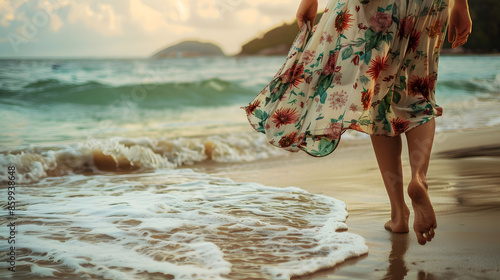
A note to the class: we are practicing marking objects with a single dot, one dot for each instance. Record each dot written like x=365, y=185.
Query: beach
x=464, y=183
x=149, y=169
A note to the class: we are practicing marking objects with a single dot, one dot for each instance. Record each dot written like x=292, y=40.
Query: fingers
x=451, y=33
x=300, y=22
x=461, y=38
x=457, y=37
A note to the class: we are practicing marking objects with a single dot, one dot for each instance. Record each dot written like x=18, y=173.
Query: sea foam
x=177, y=224
x=35, y=162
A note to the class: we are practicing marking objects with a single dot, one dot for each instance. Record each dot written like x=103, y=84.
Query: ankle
x=417, y=188
x=400, y=212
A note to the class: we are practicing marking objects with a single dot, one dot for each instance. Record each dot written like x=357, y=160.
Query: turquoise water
x=58, y=101
x=97, y=146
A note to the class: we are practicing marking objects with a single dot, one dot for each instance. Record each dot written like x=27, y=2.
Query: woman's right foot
x=399, y=223
x=425, y=218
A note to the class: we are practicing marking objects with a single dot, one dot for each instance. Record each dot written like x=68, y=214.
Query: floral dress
x=368, y=65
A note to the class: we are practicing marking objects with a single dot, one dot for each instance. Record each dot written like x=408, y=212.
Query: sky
x=133, y=28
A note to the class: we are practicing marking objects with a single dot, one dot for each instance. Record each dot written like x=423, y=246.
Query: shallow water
x=175, y=225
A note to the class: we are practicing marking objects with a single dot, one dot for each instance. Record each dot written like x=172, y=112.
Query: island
x=189, y=49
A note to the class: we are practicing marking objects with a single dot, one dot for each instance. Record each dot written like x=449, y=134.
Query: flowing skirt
x=368, y=65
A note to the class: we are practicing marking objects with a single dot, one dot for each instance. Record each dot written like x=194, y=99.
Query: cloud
x=248, y=16
x=153, y=20
x=55, y=23
x=8, y=11
x=138, y=27
x=99, y=17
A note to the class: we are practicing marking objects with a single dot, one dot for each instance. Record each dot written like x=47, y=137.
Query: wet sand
x=464, y=186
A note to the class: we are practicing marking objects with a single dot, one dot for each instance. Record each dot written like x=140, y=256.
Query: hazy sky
x=137, y=28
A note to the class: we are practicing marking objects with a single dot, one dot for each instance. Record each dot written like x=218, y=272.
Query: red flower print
x=376, y=90
x=329, y=38
x=285, y=116
x=357, y=8
x=342, y=21
x=330, y=64
x=251, y=108
x=421, y=85
x=297, y=79
x=389, y=78
x=427, y=111
x=439, y=42
x=309, y=79
x=353, y=107
x=293, y=74
x=400, y=125
x=362, y=26
x=439, y=111
x=366, y=98
x=380, y=22
x=355, y=60
x=301, y=140
x=406, y=26
x=288, y=75
x=288, y=140
x=308, y=56
x=338, y=76
x=333, y=131
x=435, y=28
x=414, y=41
x=355, y=126
x=378, y=65
x=338, y=100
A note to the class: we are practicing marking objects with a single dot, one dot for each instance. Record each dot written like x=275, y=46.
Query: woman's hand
x=307, y=12
x=460, y=25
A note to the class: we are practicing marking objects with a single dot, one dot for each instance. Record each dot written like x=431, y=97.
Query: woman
x=369, y=66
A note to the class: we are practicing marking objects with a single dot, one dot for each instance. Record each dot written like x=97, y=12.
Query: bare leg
x=419, y=146
x=388, y=153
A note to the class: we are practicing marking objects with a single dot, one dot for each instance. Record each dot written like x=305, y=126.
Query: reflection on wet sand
x=397, y=266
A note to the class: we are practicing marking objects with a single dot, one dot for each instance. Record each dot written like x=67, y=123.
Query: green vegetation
x=485, y=37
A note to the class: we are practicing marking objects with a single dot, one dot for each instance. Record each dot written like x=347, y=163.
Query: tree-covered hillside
x=485, y=37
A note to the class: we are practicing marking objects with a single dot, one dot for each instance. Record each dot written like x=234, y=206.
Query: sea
x=100, y=176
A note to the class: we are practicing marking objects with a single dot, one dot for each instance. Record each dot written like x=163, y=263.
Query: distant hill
x=189, y=49
x=276, y=41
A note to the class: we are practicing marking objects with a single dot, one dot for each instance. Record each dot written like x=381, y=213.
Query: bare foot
x=398, y=223
x=425, y=219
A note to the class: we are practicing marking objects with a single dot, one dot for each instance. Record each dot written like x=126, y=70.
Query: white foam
x=37, y=161
x=180, y=223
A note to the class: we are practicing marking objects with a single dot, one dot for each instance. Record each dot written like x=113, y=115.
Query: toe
x=421, y=238
x=428, y=236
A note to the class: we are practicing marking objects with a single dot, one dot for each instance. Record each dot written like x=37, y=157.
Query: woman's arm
x=307, y=12
x=460, y=25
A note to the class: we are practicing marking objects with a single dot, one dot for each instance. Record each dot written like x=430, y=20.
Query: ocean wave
x=210, y=92
x=178, y=224
x=488, y=85
x=120, y=154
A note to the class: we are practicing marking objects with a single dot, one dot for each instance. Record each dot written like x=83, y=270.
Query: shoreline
x=463, y=185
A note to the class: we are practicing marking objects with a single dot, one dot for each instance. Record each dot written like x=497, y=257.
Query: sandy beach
x=464, y=181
